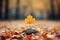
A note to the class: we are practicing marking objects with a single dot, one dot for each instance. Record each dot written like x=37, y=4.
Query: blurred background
x=40, y=9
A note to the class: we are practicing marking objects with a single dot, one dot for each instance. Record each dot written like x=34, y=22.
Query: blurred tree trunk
x=6, y=9
x=0, y=9
x=52, y=9
x=17, y=10
x=58, y=9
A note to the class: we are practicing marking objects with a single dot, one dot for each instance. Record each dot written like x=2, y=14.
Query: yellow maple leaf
x=29, y=19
